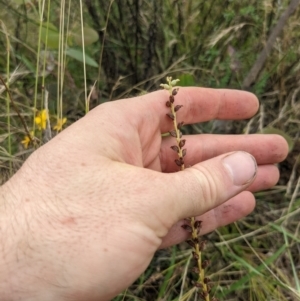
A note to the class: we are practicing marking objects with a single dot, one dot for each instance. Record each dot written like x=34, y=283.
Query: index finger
x=199, y=105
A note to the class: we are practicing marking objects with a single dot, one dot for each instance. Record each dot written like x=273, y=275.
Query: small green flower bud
x=165, y=86
x=174, y=82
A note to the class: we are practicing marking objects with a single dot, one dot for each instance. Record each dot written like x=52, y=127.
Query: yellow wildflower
x=41, y=119
x=27, y=140
x=59, y=125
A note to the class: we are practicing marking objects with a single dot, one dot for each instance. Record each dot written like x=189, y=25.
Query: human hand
x=86, y=212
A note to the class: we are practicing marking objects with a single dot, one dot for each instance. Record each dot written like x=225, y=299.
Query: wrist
x=32, y=252
x=19, y=278
x=8, y=235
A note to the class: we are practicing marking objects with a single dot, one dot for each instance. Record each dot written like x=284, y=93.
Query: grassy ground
x=69, y=56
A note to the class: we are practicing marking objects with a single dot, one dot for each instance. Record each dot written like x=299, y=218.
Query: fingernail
x=241, y=166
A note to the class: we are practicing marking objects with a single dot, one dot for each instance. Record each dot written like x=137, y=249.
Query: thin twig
x=17, y=110
x=262, y=57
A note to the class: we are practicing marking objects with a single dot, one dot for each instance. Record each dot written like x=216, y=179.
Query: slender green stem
x=193, y=225
x=9, y=148
x=103, y=42
x=87, y=105
x=41, y=14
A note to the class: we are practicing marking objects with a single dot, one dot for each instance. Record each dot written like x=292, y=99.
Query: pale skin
x=85, y=214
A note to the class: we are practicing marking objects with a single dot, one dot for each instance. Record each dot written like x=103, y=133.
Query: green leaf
x=253, y=271
x=20, y=2
x=26, y=62
x=78, y=55
x=50, y=35
x=90, y=36
x=285, y=232
x=186, y=80
x=169, y=273
x=271, y=130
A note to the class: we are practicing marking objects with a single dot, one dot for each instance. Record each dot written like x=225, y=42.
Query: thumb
x=208, y=184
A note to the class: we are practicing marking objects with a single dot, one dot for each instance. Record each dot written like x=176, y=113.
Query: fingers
x=267, y=176
x=229, y=212
x=267, y=149
x=207, y=185
x=199, y=104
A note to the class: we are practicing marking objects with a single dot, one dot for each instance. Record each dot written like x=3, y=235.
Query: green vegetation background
x=68, y=56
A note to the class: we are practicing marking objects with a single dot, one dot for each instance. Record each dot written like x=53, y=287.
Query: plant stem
x=193, y=225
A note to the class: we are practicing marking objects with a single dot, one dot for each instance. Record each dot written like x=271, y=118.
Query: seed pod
x=173, y=133
x=196, y=240
x=205, y=264
x=202, y=245
x=180, y=124
x=177, y=108
x=191, y=243
x=180, y=134
x=171, y=116
x=195, y=270
x=175, y=148
x=179, y=162
x=203, y=295
x=183, y=152
x=175, y=91
x=182, y=143
x=187, y=228
x=171, y=98
x=197, y=224
x=195, y=255
x=168, y=104
x=198, y=284
x=206, y=280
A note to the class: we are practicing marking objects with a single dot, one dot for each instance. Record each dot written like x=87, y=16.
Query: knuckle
x=206, y=191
